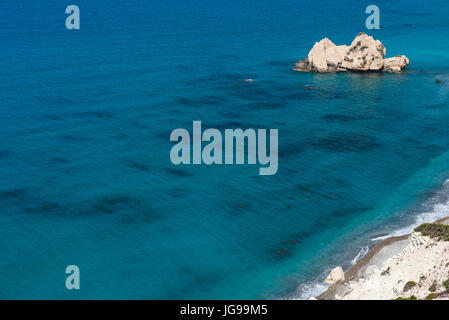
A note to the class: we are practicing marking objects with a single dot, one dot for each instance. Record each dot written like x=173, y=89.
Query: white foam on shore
x=360, y=255
x=438, y=211
x=310, y=289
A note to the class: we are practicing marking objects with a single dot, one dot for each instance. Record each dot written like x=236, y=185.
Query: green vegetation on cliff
x=434, y=230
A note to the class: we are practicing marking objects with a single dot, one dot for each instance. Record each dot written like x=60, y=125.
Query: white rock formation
x=336, y=275
x=325, y=56
x=395, y=64
x=364, y=54
x=335, y=57
x=317, y=55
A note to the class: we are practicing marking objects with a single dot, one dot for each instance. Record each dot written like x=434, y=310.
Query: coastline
x=376, y=257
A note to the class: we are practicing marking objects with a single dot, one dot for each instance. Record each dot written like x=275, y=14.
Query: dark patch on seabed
x=44, y=207
x=126, y=208
x=317, y=190
x=203, y=279
x=234, y=208
x=115, y=203
x=200, y=102
x=119, y=136
x=58, y=161
x=13, y=194
x=76, y=138
x=139, y=125
x=139, y=166
x=53, y=117
x=435, y=106
x=286, y=248
x=344, y=118
x=178, y=172
x=146, y=216
x=179, y=193
x=281, y=253
x=346, y=142
x=4, y=154
x=265, y=105
x=333, y=94
x=345, y=212
x=22, y=201
x=290, y=149
x=94, y=114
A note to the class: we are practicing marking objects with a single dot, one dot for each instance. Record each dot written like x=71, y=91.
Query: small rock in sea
x=336, y=275
x=395, y=64
x=363, y=55
x=438, y=81
x=303, y=65
x=282, y=253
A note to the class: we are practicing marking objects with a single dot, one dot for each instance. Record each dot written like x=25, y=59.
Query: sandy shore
x=399, y=267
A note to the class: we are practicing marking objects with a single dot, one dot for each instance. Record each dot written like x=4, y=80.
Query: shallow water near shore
x=85, y=122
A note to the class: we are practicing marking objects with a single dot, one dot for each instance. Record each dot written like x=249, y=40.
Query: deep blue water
x=85, y=119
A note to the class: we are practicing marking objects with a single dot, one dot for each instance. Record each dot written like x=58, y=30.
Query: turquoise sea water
x=85, y=119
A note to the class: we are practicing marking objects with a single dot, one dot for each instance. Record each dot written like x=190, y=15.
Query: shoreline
x=433, y=208
x=376, y=256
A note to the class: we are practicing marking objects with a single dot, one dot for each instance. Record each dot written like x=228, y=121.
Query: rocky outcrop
x=336, y=275
x=303, y=65
x=336, y=57
x=364, y=54
x=395, y=64
x=325, y=56
x=317, y=56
